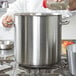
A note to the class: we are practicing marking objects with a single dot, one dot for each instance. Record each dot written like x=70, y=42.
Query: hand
x=7, y=21
x=72, y=4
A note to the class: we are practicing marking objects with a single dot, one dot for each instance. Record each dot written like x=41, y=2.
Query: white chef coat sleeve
x=15, y=7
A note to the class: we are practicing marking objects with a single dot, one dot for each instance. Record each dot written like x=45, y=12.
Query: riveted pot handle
x=12, y=25
x=65, y=22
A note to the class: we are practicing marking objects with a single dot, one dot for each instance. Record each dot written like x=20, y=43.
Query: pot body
x=38, y=39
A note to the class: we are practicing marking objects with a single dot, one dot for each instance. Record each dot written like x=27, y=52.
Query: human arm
x=8, y=17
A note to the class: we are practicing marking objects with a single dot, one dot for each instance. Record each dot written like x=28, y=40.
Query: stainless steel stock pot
x=38, y=39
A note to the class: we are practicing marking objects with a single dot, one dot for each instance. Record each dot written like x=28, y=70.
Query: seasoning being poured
x=57, y=5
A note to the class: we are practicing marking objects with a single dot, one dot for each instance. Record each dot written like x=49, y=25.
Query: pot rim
x=37, y=14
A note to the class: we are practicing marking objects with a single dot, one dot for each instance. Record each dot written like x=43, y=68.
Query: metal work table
x=24, y=72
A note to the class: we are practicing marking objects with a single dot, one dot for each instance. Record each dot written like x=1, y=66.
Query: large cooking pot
x=38, y=39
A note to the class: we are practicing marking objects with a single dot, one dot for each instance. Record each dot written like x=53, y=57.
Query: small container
x=71, y=51
x=6, y=44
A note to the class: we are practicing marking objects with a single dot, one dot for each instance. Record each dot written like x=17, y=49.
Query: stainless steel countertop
x=19, y=72
x=37, y=72
x=57, y=73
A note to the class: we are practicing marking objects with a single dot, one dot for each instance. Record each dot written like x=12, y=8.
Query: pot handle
x=8, y=28
x=65, y=22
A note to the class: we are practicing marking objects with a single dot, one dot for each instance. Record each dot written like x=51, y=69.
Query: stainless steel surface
x=4, y=68
x=38, y=38
x=63, y=71
x=36, y=14
x=71, y=50
x=65, y=22
x=38, y=75
x=4, y=74
x=6, y=44
x=6, y=56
